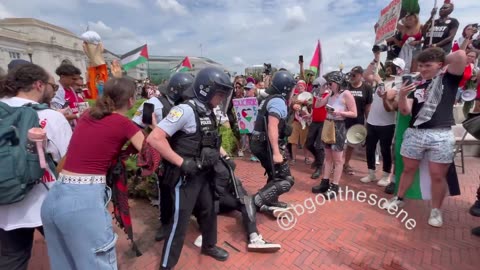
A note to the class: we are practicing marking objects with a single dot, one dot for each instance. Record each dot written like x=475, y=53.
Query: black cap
x=16, y=63
x=357, y=69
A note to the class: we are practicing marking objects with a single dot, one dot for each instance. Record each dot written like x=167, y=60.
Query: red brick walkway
x=337, y=235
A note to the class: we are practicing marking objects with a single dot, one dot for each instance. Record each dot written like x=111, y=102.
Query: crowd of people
x=181, y=142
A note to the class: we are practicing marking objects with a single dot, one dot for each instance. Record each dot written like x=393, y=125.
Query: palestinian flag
x=421, y=186
x=134, y=58
x=315, y=64
x=184, y=66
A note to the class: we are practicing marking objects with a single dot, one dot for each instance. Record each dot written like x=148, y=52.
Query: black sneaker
x=322, y=187
x=331, y=192
x=390, y=189
x=475, y=209
x=215, y=252
x=476, y=231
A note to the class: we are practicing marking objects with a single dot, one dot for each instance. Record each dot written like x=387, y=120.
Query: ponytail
x=116, y=94
x=103, y=107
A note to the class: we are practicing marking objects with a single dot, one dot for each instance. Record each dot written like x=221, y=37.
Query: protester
x=314, y=137
x=188, y=140
x=444, y=31
x=431, y=105
x=25, y=84
x=411, y=41
x=343, y=104
x=77, y=223
x=363, y=94
x=301, y=116
x=66, y=96
x=380, y=126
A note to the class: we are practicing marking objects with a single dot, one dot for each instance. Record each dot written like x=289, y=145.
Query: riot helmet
x=282, y=83
x=177, y=85
x=209, y=82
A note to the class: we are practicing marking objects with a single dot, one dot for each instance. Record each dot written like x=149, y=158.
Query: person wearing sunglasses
x=444, y=29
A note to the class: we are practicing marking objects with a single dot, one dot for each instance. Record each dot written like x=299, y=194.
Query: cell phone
x=300, y=58
x=408, y=79
x=148, y=109
x=329, y=108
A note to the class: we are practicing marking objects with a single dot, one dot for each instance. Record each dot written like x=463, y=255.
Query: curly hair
x=21, y=79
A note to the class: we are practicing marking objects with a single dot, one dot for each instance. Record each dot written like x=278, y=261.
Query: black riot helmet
x=177, y=85
x=282, y=83
x=210, y=81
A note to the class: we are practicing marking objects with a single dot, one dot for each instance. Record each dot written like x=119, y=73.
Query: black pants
x=384, y=134
x=314, y=143
x=229, y=203
x=165, y=204
x=190, y=192
x=16, y=248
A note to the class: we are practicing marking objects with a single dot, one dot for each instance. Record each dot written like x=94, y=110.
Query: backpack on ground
x=19, y=161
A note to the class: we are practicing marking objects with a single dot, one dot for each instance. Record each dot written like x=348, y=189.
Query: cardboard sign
x=246, y=110
x=387, y=24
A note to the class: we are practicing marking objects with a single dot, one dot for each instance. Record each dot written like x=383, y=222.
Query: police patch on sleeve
x=175, y=114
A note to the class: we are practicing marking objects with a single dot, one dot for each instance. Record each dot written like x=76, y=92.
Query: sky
x=235, y=33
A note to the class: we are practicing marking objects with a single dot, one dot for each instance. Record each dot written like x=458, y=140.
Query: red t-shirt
x=319, y=114
x=467, y=75
x=73, y=99
x=96, y=143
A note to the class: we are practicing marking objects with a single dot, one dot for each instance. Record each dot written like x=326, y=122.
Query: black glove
x=189, y=166
x=209, y=156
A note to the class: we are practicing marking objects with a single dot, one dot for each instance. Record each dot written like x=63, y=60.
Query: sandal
x=308, y=161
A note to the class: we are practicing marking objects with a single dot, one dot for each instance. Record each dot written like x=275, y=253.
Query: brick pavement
x=337, y=235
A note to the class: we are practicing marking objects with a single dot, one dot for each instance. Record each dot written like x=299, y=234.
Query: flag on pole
x=134, y=58
x=315, y=64
x=184, y=66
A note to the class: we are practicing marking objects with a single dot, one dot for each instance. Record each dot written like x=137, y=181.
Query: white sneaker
x=240, y=153
x=258, y=244
x=393, y=201
x=198, y=241
x=369, y=178
x=384, y=181
x=435, y=219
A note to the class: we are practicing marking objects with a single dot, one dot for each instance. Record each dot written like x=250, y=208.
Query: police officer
x=188, y=140
x=178, y=83
x=268, y=140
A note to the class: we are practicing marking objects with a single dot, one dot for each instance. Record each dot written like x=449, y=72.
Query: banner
x=246, y=110
x=387, y=24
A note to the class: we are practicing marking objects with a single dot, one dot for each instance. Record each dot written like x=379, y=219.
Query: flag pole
x=433, y=24
x=148, y=63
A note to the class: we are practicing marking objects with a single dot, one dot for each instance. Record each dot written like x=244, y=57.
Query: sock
x=386, y=174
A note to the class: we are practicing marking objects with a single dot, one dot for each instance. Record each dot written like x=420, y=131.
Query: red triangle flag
x=316, y=60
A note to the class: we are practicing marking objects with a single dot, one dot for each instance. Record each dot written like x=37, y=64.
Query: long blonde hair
x=417, y=27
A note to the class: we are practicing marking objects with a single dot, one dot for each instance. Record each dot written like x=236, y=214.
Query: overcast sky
x=236, y=33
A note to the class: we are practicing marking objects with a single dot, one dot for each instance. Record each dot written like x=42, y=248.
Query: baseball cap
x=320, y=81
x=357, y=69
x=17, y=63
x=250, y=85
x=399, y=63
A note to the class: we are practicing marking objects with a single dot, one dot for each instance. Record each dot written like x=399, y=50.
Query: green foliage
x=229, y=142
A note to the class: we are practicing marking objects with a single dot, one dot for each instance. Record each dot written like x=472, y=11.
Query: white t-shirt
x=26, y=213
x=378, y=116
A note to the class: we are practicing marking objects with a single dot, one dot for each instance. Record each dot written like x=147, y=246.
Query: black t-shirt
x=440, y=32
x=393, y=50
x=443, y=116
x=363, y=97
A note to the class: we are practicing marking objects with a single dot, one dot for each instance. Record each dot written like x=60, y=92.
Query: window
x=14, y=55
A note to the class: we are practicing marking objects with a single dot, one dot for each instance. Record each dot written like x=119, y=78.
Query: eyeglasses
x=53, y=85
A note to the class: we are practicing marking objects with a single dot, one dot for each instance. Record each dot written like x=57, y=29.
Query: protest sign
x=387, y=24
x=246, y=110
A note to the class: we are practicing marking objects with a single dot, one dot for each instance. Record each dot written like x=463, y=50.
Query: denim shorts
x=78, y=227
x=437, y=144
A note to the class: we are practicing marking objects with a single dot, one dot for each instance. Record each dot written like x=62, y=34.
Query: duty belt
x=82, y=179
x=258, y=136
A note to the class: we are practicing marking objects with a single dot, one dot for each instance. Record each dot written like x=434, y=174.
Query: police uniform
x=279, y=177
x=191, y=128
x=162, y=106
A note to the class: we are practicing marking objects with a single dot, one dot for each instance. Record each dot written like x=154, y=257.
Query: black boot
x=279, y=204
x=331, y=192
x=390, y=189
x=316, y=174
x=475, y=209
x=322, y=187
x=161, y=233
x=215, y=252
